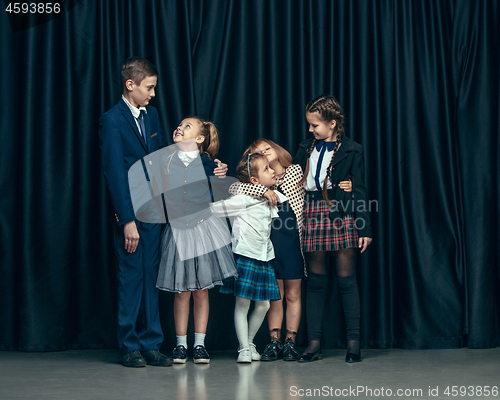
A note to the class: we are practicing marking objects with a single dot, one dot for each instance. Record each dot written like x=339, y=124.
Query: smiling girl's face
x=189, y=128
x=188, y=135
x=320, y=129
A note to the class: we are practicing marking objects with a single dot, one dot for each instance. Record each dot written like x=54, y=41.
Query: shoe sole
x=316, y=357
x=244, y=361
x=180, y=360
x=202, y=361
x=268, y=359
x=134, y=365
x=161, y=364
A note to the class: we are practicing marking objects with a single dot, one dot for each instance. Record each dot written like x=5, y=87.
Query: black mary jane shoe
x=353, y=358
x=290, y=352
x=310, y=357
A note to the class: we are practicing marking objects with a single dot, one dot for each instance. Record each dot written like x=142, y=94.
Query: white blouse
x=310, y=183
x=251, y=226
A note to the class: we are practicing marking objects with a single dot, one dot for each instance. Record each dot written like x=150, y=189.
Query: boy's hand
x=131, y=236
x=272, y=197
x=221, y=169
x=346, y=185
x=364, y=242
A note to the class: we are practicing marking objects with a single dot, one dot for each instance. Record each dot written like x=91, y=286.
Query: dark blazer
x=348, y=164
x=121, y=146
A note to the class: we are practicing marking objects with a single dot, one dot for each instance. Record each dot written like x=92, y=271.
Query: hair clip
x=248, y=165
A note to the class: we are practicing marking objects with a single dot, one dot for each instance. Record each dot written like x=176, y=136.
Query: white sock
x=257, y=318
x=199, y=339
x=182, y=341
x=240, y=320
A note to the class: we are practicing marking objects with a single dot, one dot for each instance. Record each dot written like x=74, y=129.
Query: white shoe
x=244, y=356
x=255, y=353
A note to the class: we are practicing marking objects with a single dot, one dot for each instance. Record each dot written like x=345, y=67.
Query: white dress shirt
x=310, y=183
x=136, y=112
x=187, y=156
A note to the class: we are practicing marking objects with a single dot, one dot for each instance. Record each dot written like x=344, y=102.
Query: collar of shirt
x=136, y=112
x=187, y=156
x=281, y=196
x=310, y=183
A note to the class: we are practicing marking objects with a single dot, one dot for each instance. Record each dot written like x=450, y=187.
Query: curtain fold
x=419, y=84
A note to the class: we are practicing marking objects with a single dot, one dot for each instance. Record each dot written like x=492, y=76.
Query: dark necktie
x=141, y=124
x=323, y=146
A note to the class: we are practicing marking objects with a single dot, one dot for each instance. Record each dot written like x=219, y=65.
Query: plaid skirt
x=256, y=280
x=323, y=234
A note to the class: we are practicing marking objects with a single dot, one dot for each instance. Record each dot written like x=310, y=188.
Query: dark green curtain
x=419, y=85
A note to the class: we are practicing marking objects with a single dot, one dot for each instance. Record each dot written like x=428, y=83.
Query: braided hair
x=328, y=109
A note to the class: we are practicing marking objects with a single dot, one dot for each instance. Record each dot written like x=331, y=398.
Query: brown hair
x=328, y=109
x=248, y=163
x=284, y=156
x=137, y=68
x=210, y=144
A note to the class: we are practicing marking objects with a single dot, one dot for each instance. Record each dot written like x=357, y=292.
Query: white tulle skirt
x=196, y=258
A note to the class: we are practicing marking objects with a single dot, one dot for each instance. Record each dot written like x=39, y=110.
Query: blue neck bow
x=329, y=145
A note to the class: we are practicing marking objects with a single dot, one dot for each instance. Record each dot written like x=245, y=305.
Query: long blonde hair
x=284, y=157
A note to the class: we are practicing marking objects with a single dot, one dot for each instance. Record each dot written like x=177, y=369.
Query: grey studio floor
x=395, y=373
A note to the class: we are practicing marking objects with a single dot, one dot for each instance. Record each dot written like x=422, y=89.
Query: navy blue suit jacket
x=121, y=146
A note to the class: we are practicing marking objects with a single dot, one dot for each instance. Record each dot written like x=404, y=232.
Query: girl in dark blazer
x=335, y=220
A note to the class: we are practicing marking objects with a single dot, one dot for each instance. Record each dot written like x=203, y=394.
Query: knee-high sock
x=240, y=321
x=348, y=287
x=315, y=304
x=257, y=317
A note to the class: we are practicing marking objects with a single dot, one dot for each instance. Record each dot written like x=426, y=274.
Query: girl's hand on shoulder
x=221, y=169
x=272, y=197
x=364, y=242
x=346, y=185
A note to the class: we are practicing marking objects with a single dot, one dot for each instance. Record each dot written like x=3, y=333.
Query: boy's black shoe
x=272, y=351
x=154, y=357
x=133, y=359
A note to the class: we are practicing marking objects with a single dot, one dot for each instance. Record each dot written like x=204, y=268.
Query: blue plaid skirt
x=256, y=280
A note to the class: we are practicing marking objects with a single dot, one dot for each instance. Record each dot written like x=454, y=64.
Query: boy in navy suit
x=128, y=132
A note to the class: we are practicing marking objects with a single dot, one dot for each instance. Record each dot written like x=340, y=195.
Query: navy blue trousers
x=138, y=315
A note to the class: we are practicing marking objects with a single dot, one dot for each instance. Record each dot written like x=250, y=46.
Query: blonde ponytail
x=211, y=143
x=211, y=140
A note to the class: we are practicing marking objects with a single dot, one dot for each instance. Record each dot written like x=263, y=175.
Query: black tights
x=317, y=281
